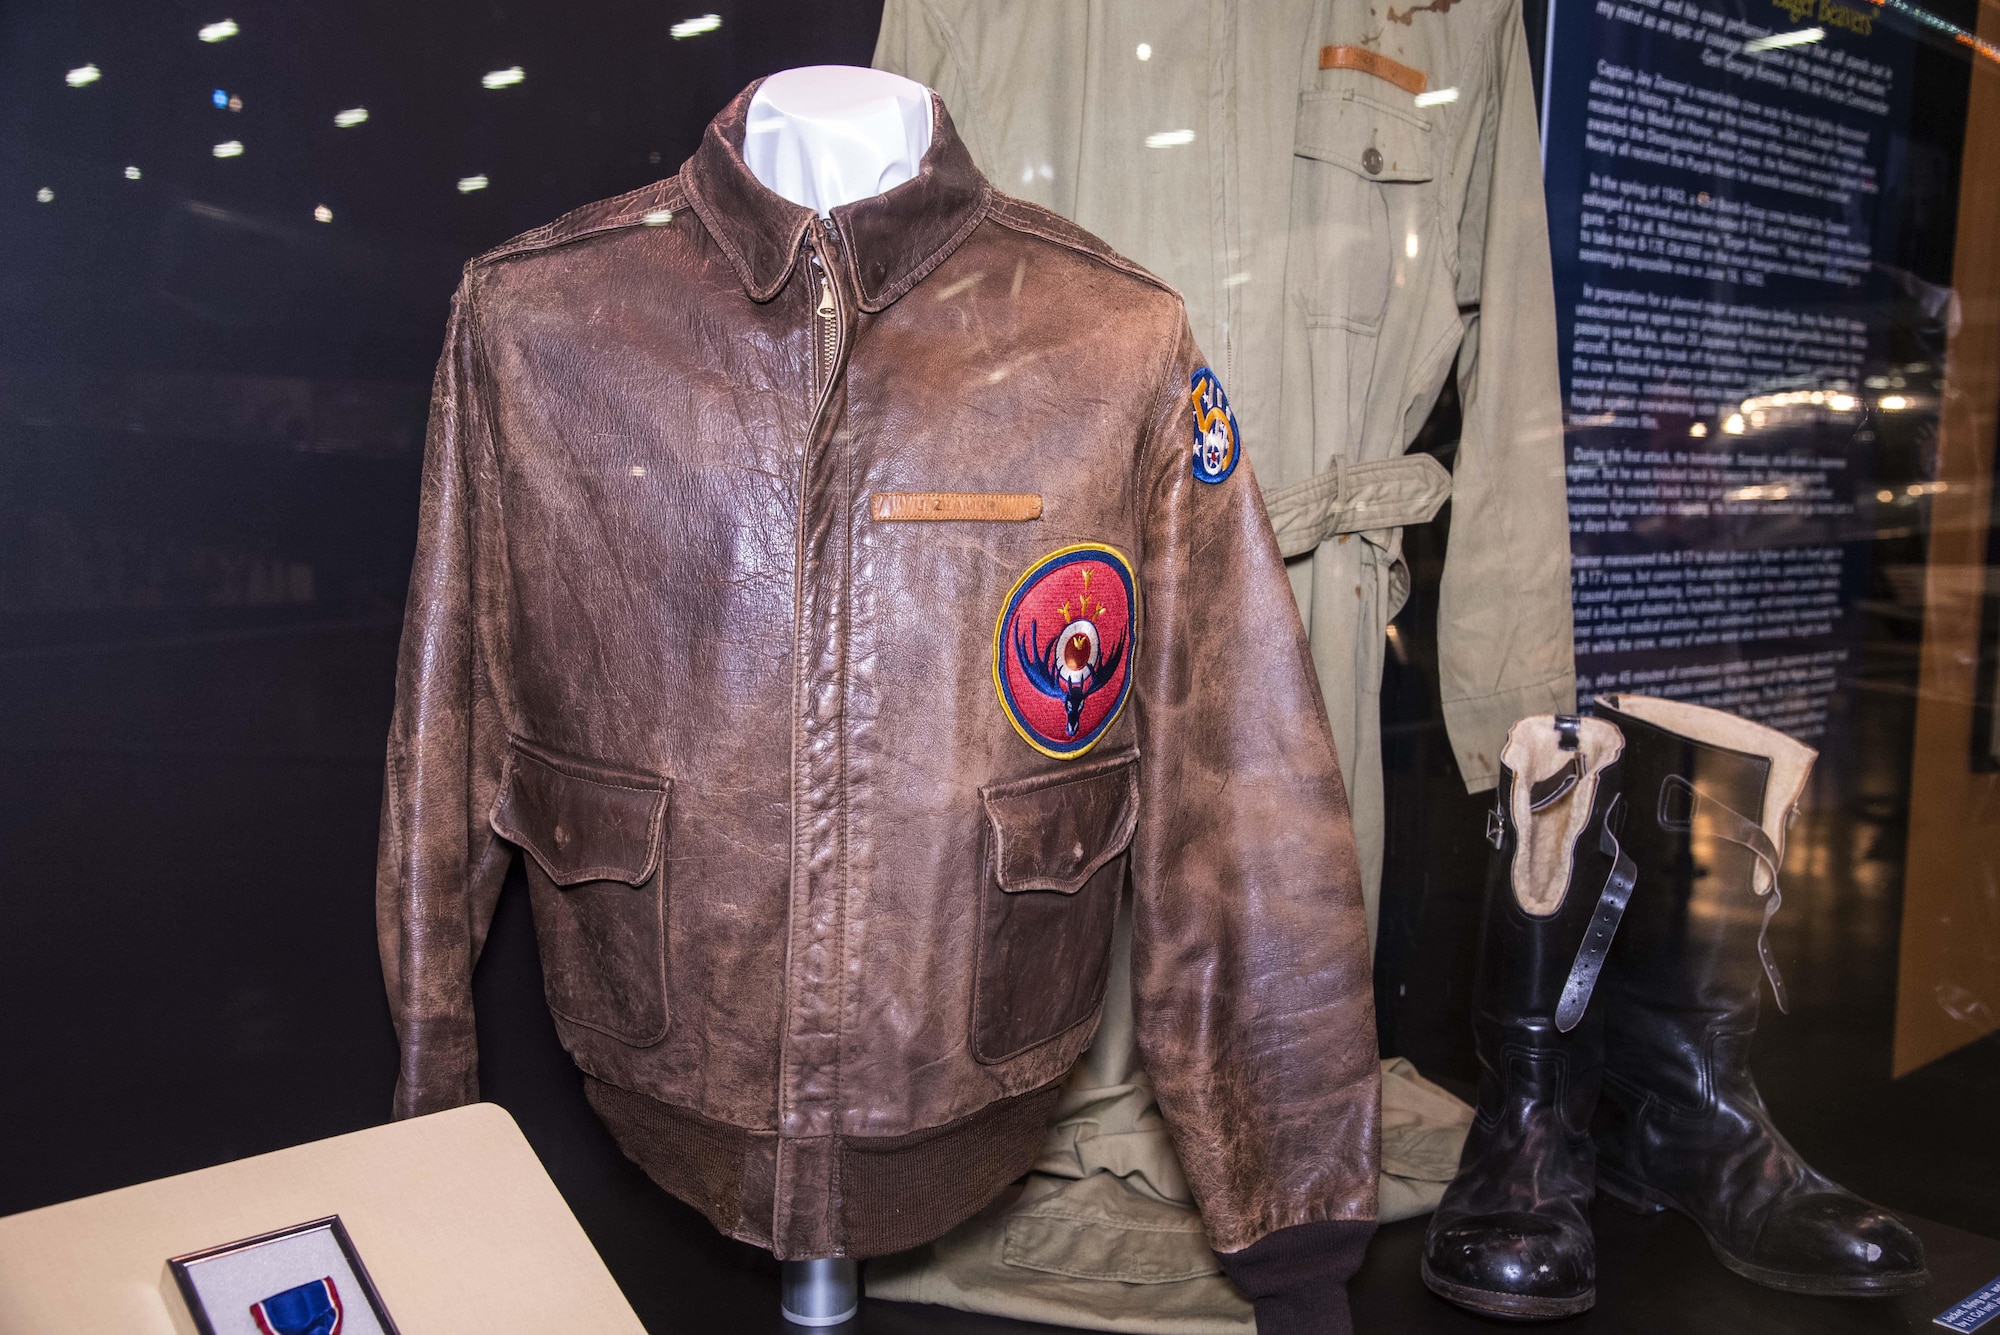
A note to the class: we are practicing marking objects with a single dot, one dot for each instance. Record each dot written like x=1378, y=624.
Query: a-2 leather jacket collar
x=889, y=242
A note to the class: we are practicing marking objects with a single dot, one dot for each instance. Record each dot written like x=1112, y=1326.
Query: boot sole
x=1645, y=1201
x=1507, y=1306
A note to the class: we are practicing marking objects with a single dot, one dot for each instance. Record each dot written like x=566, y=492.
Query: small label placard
x=1974, y=1311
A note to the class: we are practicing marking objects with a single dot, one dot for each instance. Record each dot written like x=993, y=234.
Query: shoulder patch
x=1063, y=647
x=1217, y=443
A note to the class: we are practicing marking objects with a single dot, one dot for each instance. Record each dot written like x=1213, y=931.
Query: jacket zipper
x=826, y=333
x=826, y=343
x=826, y=320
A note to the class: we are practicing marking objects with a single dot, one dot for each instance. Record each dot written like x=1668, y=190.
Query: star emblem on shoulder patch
x=1217, y=443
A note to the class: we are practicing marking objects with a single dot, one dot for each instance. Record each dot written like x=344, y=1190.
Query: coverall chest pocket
x=1053, y=855
x=1355, y=164
x=597, y=881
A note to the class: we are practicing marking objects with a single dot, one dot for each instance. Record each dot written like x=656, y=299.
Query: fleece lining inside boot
x=1545, y=838
x=1791, y=760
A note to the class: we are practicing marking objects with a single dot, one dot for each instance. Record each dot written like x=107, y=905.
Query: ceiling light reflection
x=1777, y=41
x=1894, y=403
x=1437, y=97
x=468, y=184
x=82, y=75
x=321, y=213
x=695, y=27
x=215, y=32
x=350, y=118
x=1145, y=51
x=45, y=196
x=219, y=98
x=131, y=173
x=506, y=78
x=230, y=149
x=1169, y=138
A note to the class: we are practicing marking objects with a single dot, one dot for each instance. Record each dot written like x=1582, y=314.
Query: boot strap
x=1549, y=790
x=1677, y=795
x=1596, y=945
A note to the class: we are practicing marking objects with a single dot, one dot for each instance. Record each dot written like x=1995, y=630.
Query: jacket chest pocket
x=1053, y=856
x=1356, y=165
x=597, y=881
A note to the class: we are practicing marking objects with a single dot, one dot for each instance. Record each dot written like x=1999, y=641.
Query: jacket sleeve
x=1250, y=970
x=1504, y=630
x=439, y=866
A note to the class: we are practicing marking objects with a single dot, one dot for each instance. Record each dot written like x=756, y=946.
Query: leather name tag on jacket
x=990, y=506
x=1375, y=63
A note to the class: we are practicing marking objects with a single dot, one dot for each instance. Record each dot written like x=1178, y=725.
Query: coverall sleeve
x=1504, y=630
x=439, y=867
x=1251, y=983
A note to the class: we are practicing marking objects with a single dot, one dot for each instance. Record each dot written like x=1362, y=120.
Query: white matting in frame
x=303, y=1280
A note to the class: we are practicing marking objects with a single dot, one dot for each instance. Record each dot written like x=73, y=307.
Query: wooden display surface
x=453, y=1215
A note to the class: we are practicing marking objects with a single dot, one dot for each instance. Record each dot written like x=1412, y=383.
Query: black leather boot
x=1512, y=1236
x=1681, y=1125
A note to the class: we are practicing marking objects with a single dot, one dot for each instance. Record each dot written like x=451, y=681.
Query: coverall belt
x=1357, y=498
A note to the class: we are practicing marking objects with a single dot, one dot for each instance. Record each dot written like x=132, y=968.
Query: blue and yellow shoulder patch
x=1217, y=443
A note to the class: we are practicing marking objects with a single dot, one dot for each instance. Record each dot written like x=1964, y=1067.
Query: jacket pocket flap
x=1370, y=138
x=1054, y=833
x=581, y=822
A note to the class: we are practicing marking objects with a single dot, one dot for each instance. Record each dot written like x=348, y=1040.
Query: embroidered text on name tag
x=989, y=506
x=1375, y=63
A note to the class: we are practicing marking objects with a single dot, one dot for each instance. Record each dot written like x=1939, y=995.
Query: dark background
x=211, y=412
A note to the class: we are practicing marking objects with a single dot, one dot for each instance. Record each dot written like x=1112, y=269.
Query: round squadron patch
x=1062, y=648
x=1217, y=444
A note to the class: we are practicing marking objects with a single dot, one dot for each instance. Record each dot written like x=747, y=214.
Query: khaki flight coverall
x=1348, y=194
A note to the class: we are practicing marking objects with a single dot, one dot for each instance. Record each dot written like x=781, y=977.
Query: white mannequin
x=827, y=135
x=824, y=136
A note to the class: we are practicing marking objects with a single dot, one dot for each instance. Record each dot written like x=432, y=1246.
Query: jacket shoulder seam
x=609, y=215
x=1034, y=220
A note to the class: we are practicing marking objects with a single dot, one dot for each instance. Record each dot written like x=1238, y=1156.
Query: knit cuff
x=1297, y=1277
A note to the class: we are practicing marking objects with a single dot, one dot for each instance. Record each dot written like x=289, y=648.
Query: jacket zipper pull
x=825, y=295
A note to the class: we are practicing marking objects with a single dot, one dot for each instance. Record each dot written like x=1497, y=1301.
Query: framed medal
x=302, y=1280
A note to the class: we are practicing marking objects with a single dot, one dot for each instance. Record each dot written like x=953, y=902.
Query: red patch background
x=1040, y=606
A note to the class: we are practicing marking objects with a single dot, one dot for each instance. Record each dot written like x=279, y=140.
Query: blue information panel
x=1715, y=173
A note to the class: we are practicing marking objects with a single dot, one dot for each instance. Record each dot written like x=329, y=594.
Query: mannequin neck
x=828, y=135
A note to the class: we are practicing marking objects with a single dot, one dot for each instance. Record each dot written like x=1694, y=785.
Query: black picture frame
x=182, y=1269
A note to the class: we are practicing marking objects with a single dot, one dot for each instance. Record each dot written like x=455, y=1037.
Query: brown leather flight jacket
x=727, y=511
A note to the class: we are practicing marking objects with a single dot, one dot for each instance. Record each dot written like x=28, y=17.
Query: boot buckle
x=1496, y=828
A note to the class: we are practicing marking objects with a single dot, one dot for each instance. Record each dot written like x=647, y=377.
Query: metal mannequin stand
x=822, y=1292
